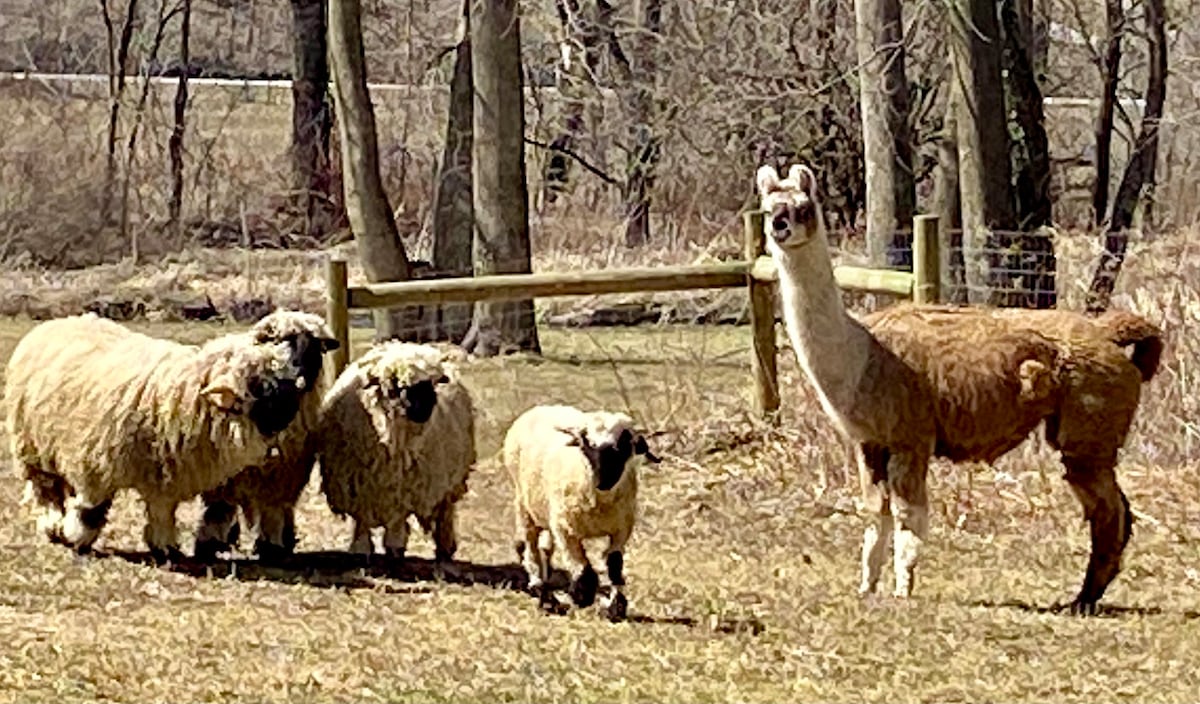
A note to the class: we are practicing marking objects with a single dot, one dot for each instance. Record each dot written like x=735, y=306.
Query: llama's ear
x=805, y=179
x=767, y=179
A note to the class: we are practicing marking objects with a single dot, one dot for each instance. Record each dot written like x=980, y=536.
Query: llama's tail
x=1126, y=329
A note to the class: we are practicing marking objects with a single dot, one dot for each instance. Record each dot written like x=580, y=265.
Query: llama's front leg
x=872, y=475
x=616, y=605
x=159, y=533
x=910, y=511
x=1107, y=511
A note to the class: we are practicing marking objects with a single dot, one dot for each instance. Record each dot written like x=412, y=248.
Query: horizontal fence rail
x=757, y=272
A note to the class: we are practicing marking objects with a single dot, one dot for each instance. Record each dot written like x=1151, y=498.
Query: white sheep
x=93, y=408
x=267, y=493
x=397, y=437
x=574, y=477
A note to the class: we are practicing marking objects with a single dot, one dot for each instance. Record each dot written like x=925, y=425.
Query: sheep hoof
x=583, y=589
x=394, y=554
x=270, y=553
x=208, y=550
x=617, y=608
x=164, y=555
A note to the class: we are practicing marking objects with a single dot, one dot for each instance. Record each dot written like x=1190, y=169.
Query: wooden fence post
x=337, y=314
x=762, y=321
x=927, y=262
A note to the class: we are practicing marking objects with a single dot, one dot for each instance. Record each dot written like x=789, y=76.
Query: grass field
x=741, y=582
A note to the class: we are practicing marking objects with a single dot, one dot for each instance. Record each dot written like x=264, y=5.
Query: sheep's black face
x=418, y=400
x=307, y=350
x=608, y=461
x=275, y=405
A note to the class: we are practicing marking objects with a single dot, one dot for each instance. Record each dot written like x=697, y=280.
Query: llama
x=901, y=396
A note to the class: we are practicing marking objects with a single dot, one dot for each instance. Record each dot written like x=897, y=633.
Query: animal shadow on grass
x=331, y=569
x=1064, y=608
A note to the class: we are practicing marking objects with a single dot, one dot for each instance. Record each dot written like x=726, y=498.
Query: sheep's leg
x=872, y=475
x=910, y=512
x=445, y=533
x=1107, y=510
x=395, y=537
x=159, y=533
x=616, y=605
x=584, y=580
x=83, y=519
x=360, y=543
x=218, y=530
x=48, y=494
x=276, y=533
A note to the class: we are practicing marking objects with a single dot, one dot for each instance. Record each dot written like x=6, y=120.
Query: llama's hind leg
x=910, y=511
x=1107, y=511
x=872, y=474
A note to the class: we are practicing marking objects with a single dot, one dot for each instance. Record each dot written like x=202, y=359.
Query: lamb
x=93, y=408
x=1088, y=420
x=267, y=493
x=574, y=477
x=397, y=438
x=902, y=395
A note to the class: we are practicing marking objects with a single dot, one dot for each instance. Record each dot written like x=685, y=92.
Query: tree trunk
x=175, y=143
x=453, y=210
x=949, y=209
x=501, y=200
x=887, y=144
x=312, y=118
x=581, y=37
x=1028, y=259
x=1143, y=162
x=118, y=59
x=985, y=173
x=371, y=221
x=1111, y=75
x=638, y=77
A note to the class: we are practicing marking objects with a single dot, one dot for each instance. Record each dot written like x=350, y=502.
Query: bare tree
x=985, y=173
x=118, y=60
x=312, y=118
x=371, y=221
x=1140, y=171
x=887, y=141
x=1028, y=256
x=454, y=212
x=1111, y=75
x=949, y=208
x=175, y=143
x=501, y=200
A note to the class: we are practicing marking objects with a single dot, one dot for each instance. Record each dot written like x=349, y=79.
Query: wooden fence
x=756, y=272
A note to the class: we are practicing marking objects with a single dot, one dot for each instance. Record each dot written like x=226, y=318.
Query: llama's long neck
x=829, y=346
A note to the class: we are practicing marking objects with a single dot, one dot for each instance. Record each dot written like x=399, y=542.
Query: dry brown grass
x=741, y=580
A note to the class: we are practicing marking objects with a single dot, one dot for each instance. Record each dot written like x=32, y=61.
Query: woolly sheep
x=267, y=493
x=93, y=407
x=397, y=437
x=574, y=477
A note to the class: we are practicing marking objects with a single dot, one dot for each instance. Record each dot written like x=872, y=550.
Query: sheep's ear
x=641, y=447
x=805, y=179
x=222, y=396
x=578, y=437
x=767, y=179
x=328, y=344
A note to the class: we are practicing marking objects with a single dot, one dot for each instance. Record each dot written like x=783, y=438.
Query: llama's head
x=792, y=211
